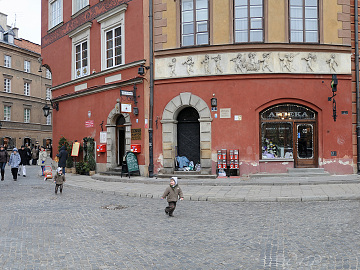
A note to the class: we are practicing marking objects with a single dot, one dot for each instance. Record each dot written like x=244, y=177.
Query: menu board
x=75, y=149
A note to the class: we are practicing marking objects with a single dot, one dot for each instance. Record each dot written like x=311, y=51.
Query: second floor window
x=27, y=66
x=194, y=22
x=7, y=61
x=80, y=4
x=81, y=60
x=48, y=93
x=7, y=85
x=48, y=119
x=114, y=47
x=26, y=115
x=27, y=89
x=55, y=13
x=248, y=20
x=7, y=113
x=303, y=20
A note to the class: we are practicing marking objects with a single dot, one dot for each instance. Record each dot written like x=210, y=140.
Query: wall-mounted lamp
x=334, y=83
x=142, y=69
x=214, y=102
x=46, y=108
x=136, y=110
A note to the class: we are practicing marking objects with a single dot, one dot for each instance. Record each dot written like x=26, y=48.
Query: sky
x=28, y=17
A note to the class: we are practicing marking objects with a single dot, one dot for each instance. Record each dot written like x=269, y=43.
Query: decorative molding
x=87, y=16
x=252, y=63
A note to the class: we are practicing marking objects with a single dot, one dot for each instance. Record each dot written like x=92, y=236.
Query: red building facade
x=94, y=49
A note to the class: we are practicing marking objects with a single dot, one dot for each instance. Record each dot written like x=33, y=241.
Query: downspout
x=151, y=109
x=356, y=22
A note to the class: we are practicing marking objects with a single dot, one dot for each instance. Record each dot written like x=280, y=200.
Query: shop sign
x=135, y=134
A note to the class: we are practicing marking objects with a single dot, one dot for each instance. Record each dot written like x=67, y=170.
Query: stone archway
x=111, y=135
x=169, y=130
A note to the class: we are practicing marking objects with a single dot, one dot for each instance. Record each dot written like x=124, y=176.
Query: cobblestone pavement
x=85, y=229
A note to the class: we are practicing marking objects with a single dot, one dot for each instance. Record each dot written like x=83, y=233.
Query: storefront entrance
x=289, y=132
x=120, y=127
x=305, y=152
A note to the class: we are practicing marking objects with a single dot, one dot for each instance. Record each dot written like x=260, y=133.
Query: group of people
x=19, y=159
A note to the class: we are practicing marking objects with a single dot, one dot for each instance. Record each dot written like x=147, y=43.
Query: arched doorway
x=120, y=133
x=188, y=134
x=289, y=131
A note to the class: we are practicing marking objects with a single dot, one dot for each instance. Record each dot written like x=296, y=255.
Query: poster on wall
x=103, y=136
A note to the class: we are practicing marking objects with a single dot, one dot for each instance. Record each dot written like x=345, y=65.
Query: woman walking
x=42, y=159
x=14, y=163
x=4, y=158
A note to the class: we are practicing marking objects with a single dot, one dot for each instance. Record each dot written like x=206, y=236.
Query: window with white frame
x=48, y=74
x=248, y=21
x=26, y=115
x=7, y=61
x=304, y=21
x=113, y=47
x=112, y=37
x=7, y=113
x=27, y=66
x=7, y=85
x=48, y=119
x=55, y=10
x=79, y=4
x=26, y=89
x=194, y=22
x=81, y=59
x=48, y=93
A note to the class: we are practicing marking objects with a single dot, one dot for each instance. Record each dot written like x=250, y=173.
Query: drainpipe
x=151, y=109
x=356, y=22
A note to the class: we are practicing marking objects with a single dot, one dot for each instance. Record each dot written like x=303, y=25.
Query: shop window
x=304, y=21
x=248, y=21
x=194, y=22
x=8, y=143
x=277, y=130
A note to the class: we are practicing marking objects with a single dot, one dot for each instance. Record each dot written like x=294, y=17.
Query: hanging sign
x=125, y=108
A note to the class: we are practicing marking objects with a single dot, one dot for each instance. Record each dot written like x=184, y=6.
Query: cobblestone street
x=82, y=229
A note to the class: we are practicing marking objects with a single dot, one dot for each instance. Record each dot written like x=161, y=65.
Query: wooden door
x=305, y=147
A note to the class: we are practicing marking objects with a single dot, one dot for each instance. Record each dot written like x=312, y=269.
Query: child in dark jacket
x=172, y=193
x=59, y=180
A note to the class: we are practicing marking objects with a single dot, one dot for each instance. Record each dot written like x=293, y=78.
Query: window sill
x=277, y=160
x=80, y=11
x=55, y=27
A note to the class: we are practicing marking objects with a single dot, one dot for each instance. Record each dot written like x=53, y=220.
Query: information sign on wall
x=225, y=113
x=136, y=134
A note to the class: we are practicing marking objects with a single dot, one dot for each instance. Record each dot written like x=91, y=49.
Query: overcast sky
x=28, y=17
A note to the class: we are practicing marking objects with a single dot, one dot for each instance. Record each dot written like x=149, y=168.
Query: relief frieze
x=86, y=16
x=252, y=63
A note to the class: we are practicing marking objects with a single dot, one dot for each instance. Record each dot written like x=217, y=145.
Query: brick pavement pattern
x=100, y=229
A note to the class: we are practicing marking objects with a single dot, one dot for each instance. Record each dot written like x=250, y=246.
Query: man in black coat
x=62, y=158
x=25, y=157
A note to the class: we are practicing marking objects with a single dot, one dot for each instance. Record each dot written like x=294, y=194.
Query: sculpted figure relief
x=189, y=65
x=286, y=62
x=206, y=63
x=172, y=66
x=309, y=61
x=239, y=63
x=332, y=63
x=217, y=60
x=265, y=61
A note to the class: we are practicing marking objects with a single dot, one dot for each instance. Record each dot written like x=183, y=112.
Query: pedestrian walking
x=14, y=163
x=42, y=159
x=59, y=180
x=62, y=158
x=172, y=193
x=4, y=158
x=25, y=157
x=35, y=155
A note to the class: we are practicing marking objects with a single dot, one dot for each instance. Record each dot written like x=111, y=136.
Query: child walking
x=172, y=193
x=14, y=163
x=59, y=180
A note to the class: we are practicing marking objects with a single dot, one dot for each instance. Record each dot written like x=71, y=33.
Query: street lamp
x=46, y=110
